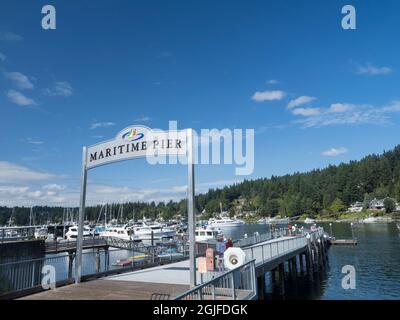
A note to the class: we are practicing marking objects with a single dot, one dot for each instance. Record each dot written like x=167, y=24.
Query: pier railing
x=16, y=233
x=237, y=284
x=268, y=251
x=257, y=238
x=18, y=276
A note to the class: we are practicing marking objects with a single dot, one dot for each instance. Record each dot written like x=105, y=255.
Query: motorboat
x=224, y=222
x=121, y=232
x=41, y=233
x=370, y=220
x=309, y=221
x=72, y=233
x=154, y=231
x=170, y=253
x=206, y=234
x=131, y=261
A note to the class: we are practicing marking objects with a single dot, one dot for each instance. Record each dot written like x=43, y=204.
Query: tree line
x=318, y=192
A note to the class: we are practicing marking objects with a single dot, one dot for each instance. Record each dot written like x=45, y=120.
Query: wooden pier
x=59, y=247
x=300, y=253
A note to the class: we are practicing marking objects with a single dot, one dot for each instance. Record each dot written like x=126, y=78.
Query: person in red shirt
x=229, y=243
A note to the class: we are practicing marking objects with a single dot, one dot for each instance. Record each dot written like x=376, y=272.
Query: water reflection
x=376, y=260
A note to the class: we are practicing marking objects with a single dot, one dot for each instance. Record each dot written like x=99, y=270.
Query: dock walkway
x=172, y=280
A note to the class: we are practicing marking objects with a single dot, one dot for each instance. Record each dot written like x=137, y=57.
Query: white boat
x=206, y=234
x=72, y=233
x=371, y=220
x=155, y=231
x=224, y=222
x=309, y=221
x=41, y=233
x=124, y=233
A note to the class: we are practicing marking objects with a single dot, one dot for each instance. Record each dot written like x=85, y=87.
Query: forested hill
x=316, y=192
x=321, y=192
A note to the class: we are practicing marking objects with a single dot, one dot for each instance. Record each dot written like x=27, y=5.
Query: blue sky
x=314, y=93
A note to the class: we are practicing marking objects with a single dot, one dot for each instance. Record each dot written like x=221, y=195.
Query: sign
x=139, y=142
x=136, y=142
x=202, y=265
x=210, y=259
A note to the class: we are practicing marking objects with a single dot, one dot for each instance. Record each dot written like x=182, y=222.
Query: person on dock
x=220, y=249
x=229, y=244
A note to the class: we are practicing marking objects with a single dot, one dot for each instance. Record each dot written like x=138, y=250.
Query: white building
x=377, y=204
x=356, y=207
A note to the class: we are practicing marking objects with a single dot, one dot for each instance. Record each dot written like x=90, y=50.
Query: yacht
x=124, y=233
x=156, y=231
x=41, y=233
x=72, y=233
x=207, y=234
x=224, y=222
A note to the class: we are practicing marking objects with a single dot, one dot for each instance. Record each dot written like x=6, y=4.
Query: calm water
x=376, y=259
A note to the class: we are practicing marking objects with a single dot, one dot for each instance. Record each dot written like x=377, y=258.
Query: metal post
x=79, y=242
x=191, y=212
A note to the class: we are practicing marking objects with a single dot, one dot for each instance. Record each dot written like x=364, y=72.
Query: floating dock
x=344, y=242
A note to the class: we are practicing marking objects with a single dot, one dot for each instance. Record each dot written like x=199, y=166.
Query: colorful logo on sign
x=132, y=135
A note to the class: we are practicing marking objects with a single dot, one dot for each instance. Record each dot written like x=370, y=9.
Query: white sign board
x=136, y=142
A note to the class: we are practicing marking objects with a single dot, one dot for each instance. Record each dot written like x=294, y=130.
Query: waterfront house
x=356, y=207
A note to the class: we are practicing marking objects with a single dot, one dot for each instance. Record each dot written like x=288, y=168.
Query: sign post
x=79, y=242
x=139, y=142
x=191, y=209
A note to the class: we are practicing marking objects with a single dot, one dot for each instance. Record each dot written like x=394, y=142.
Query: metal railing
x=27, y=274
x=269, y=251
x=257, y=238
x=65, y=245
x=237, y=284
x=16, y=233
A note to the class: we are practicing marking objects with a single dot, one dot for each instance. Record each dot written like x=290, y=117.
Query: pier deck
x=107, y=289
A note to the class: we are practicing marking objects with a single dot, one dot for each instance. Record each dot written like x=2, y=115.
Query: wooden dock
x=111, y=290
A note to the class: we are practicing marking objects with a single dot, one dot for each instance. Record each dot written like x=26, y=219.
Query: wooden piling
x=261, y=287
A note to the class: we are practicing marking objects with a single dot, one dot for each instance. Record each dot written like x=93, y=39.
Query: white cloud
x=300, y=101
x=53, y=186
x=10, y=37
x=272, y=81
x=33, y=141
x=2, y=57
x=306, y=111
x=61, y=89
x=143, y=119
x=20, y=80
x=351, y=114
x=373, y=70
x=341, y=107
x=19, y=99
x=10, y=172
x=101, y=125
x=268, y=95
x=334, y=152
